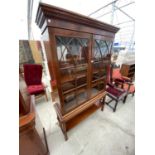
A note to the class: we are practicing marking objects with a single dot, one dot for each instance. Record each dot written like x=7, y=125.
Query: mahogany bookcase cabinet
x=78, y=51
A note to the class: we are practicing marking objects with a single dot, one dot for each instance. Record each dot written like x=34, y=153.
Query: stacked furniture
x=78, y=51
x=128, y=70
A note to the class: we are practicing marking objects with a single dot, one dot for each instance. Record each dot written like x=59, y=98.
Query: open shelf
x=77, y=119
x=71, y=90
x=98, y=79
x=69, y=78
x=69, y=66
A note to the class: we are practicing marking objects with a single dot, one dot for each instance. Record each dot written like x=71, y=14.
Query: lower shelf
x=73, y=117
x=77, y=119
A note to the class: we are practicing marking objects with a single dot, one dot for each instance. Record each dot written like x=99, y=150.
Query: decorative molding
x=50, y=12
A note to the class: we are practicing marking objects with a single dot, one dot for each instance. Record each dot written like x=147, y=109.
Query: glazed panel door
x=72, y=50
x=101, y=53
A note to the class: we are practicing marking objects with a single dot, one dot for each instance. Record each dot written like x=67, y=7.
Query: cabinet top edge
x=46, y=11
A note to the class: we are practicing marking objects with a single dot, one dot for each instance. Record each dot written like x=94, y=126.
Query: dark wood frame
x=123, y=97
x=128, y=70
x=57, y=21
x=27, y=121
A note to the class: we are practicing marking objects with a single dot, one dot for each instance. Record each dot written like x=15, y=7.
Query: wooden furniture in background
x=123, y=82
x=78, y=51
x=30, y=142
x=128, y=70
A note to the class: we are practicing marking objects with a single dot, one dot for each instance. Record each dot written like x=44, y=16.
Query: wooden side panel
x=128, y=70
x=30, y=143
x=124, y=70
x=46, y=43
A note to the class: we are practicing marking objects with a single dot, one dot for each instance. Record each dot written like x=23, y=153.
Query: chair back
x=108, y=74
x=116, y=73
x=112, y=73
x=32, y=74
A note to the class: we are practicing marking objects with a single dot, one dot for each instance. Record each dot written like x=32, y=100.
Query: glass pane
x=81, y=72
x=101, y=53
x=97, y=86
x=71, y=51
x=99, y=70
x=109, y=44
x=81, y=95
x=69, y=101
x=73, y=62
x=101, y=49
x=67, y=75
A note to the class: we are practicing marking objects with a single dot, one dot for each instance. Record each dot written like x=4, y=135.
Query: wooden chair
x=116, y=74
x=115, y=94
x=33, y=77
x=122, y=81
x=126, y=85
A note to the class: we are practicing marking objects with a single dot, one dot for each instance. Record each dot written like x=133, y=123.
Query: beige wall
x=35, y=52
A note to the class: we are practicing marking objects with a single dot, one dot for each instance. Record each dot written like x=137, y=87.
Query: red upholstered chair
x=126, y=85
x=33, y=77
x=116, y=74
x=114, y=93
x=122, y=81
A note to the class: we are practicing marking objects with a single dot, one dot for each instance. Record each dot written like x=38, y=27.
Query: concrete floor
x=102, y=133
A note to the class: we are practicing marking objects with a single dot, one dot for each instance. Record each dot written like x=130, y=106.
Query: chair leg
x=102, y=104
x=46, y=96
x=53, y=96
x=115, y=106
x=124, y=100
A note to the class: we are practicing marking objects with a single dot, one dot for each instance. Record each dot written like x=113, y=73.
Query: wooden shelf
x=69, y=78
x=74, y=66
x=73, y=89
x=81, y=117
x=67, y=67
x=65, y=79
x=101, y=78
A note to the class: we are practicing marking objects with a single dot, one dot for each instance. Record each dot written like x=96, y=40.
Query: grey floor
x=102, y=133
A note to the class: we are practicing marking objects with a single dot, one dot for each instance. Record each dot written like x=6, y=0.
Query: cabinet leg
x=102, y=104
x=63, y=128
x=58, y=121
x=65, y=132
